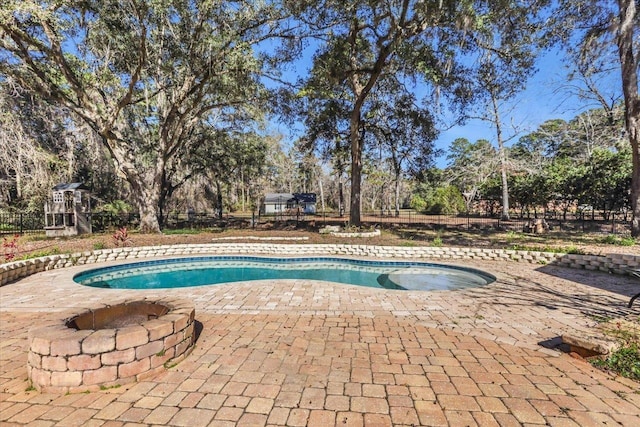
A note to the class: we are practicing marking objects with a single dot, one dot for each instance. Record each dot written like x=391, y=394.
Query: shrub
x=444, y=200
x=10, y=248
x=42, y=253
x=417, y=203
x=116, y=208
x=624, y=361
x=612, y=239
x=121, y=237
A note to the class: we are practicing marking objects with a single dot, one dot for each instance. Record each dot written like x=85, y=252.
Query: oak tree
x=148, y=77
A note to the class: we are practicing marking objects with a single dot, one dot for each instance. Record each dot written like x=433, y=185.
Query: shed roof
x=305, y=197
x=70, y=186
x=278, y=197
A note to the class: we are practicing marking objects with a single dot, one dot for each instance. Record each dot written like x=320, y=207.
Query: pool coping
x=165, y=264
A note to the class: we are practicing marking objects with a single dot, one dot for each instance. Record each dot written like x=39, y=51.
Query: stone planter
x=336, y=231
x=373, y=233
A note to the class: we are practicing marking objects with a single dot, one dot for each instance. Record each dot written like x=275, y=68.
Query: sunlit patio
x=314, y=353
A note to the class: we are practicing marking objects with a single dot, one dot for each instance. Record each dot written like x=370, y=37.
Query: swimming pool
x=201, y=271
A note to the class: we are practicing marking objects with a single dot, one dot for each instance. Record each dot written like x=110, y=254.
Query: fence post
x=613, y=223
x=21, y=226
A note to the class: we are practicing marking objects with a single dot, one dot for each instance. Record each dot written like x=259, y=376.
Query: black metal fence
x=612, y=224
x=103, y=222
x=21, y=223
x=33, y=223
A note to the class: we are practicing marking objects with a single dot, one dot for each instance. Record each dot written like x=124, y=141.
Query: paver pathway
x=302, y=353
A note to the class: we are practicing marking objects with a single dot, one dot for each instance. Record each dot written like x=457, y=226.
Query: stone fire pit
x=110, y=345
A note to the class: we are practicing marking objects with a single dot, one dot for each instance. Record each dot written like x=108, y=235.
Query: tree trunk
x=505, y=187
x=628, y=66
x=397, y=196
x=321, y=192
x=356, y=168
x=340, y=199
x=242, y=192
x=397, y=170
x=146, y=187
x=219, y=191
x=147, y=198
x=502, y=157
x=18, y=171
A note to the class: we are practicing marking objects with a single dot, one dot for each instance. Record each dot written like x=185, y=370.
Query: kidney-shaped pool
x=200, y=271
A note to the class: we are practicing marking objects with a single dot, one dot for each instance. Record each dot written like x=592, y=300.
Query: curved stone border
x=66, y=360
x=259, y=238
x=373, y=233
x=613, y=263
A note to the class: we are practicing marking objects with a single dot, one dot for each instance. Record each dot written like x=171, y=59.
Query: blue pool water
x=200, y=271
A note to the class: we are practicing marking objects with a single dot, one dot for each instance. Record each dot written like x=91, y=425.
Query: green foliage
x=116, y=207
x=159, y=80
x=599, y=319
x=583, y=161
x=42, y=253
x=359, y=92
x=513, y=235
x=552, y=249
x=606, y=179
x=471, y=165
x=624, y=361
x=440, y=200
x=418, y=203
x=613, y=239
x=183, y=231
x=110, y=387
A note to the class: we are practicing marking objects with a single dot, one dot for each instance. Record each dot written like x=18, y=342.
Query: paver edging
x=612, y=263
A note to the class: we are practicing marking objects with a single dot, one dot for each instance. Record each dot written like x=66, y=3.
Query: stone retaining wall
x=614, y=263
x=65, y=360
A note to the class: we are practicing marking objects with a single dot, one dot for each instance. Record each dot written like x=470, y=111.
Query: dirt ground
x=39, y=245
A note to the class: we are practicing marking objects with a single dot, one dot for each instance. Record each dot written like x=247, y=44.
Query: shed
x=68, y=211
x=306, y=202
x=275, y=203
x=278, y=203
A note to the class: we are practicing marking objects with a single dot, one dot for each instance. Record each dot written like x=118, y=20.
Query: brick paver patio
x=300, y=353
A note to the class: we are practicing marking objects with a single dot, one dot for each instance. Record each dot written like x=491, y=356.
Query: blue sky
x=543, y=99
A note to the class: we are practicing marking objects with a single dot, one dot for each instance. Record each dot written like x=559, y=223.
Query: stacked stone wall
x=613, y=263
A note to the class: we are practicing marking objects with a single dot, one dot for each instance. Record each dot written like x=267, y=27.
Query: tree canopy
x=149, y=78
x=174, y=96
